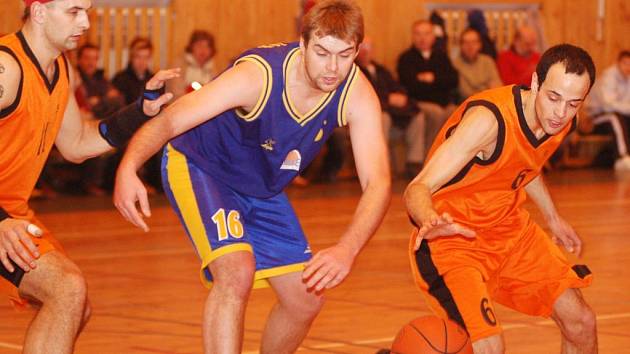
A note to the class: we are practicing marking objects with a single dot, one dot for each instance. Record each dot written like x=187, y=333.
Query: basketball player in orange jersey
x=37, y=110
x=475, y=244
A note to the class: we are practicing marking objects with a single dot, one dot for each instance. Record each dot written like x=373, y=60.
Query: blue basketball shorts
x=219, y=221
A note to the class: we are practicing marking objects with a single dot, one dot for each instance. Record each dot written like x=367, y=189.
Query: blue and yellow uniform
x=225, y=178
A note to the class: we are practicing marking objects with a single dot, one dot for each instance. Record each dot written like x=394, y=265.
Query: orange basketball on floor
x=431, y=335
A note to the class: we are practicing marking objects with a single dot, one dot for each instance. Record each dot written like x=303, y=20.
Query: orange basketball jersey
x=29, y=126
x=485, y=192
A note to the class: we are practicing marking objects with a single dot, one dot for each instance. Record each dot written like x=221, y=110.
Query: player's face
x=328, y=61
x=66, y=22
x=559, y=98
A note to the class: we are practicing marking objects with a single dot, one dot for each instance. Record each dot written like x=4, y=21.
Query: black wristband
x=118, y=128
x=4, y=214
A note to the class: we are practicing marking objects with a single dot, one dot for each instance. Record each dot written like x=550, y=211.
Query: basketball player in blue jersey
x=232, y=148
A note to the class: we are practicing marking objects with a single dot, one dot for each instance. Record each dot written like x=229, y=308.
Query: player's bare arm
x=239, y=86
x=562, y=232
x=330, y=266
x=79, y=138
x=15, y=243
x=476, y=135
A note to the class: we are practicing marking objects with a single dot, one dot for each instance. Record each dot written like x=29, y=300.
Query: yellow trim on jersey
x=207, y=259
x=341, y=108
x=288, y=104
x=264, y=93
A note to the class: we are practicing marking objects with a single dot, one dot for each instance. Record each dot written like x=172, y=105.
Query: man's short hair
x=140, y=43
x=623, y=54
x=575, y=59
x=341, y=19
x=27, y=11
x=86, y=46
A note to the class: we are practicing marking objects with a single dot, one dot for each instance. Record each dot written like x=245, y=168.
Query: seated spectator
x=477, y=71
x=477, y=21
x=429, y=78
x=97, y=99
x=197, y=65
x=517, y=64
x=609, y=106
x=397, y=107
x=130, y=83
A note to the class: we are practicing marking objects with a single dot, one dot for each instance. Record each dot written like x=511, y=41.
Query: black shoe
x=383, y=351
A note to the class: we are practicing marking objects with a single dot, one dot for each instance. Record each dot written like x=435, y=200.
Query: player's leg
x=537, y=280
x=59, y=289
x=454, y=288
x=281, y=251
x=224, y=312
x=577, y=323
x=213, y=217
x=291, y=316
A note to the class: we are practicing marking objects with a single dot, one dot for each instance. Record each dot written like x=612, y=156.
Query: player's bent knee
x=583, y=327
x=306, y=306
x=489, y=345
x=233, y=275
x=73, y=290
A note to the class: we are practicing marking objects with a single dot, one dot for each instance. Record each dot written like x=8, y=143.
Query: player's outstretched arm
x=10, y=76
x=81, y=138
x=562, y=232
x=239, y=86
x=476, y=133
x=330, y=266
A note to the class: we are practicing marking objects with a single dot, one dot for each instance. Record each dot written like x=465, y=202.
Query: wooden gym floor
x=147, y=298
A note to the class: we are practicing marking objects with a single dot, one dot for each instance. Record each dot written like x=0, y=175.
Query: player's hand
x=328, y=268
x=441, y=225
x=563, y=234
x=17, y=245
x=127, y=191
x=152, y=107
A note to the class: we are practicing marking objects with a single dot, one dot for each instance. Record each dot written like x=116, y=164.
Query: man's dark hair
x=85, y=47
x=623, y=54
x=575, y=59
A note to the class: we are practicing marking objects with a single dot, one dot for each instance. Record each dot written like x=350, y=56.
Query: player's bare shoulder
x=362, y=99
x=10, y=77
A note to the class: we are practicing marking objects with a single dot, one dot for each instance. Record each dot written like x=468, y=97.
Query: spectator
x=609, y=106
x=197, y=65
x=477, y=71
x=517, y=64
x=97, y=99
x=130, y=82
x=397, y=107
x=429, y=78
x=477, y=21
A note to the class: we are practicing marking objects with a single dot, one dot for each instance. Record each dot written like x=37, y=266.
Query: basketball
x=431, y=335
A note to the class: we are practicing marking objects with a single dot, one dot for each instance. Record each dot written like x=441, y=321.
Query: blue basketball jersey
x=259, y=152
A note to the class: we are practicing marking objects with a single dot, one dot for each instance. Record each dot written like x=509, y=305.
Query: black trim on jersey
x=573, y=125
x=581, y=270
x=14, y=278
x=49, y=84
x=498, y=149
x=437, y=286
x=522, y=122
x=6, y=111
x=65, y=61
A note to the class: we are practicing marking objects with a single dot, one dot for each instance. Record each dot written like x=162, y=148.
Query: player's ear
x=534, y=83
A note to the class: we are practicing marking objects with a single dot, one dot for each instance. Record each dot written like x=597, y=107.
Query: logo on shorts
x=487, y=313
x=293, y=161
x=307, y=250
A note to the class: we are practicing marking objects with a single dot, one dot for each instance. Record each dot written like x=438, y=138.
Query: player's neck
x=45, y=53
x=529, y=110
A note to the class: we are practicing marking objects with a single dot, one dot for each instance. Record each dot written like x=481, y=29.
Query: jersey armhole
x=18, y=96
x=264, y=93
x=342, y=119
